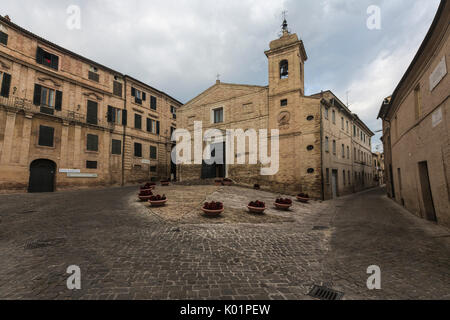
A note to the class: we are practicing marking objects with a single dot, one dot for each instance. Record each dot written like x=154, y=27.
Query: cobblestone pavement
x=127, y=252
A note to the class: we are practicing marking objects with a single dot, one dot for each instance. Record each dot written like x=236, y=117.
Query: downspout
x=321, y=151
x=124, y=130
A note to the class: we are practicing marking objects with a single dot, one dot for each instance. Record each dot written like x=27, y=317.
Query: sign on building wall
x=438, y=74
x=82, y=175
x=437, y=117
x=69, y=170
x=146, y=161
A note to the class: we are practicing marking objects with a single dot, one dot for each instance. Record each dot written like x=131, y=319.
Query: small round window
x=310, y=118
x=310, y=170
x=310, y=148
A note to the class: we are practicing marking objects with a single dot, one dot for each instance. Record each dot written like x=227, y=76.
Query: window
x=334, y=146
x=92, y=142
x=153, y=126
x=48, y=99
x=3, y=38
x=153, y=103
x=333, y=117
x=328, y=176
x=344, y=176
x=92, y=112
x=327, y=144
x=172, y=130
x=348, y=152
x=284, y=103
x=173, y=111
x=114, y=115
x=354, y=153
x=343, y=151
x=343, y=123
x=153, y=169
x=116, y=147
x=326, y=113
x=354, y=130
x=218, y=115
x=284, y=69
x=349, y=178
x=153, y=153
x=5, y=84
x=138, y=150
x=138, y=95
x=46, y=135
x=47, y=59
x=91, y=164
x=347, y=127
x=93, y=74
x=418, y=102
x=117, y=88
x=137, y=121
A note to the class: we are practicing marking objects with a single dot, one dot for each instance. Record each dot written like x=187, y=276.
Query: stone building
x=378, y=168
x=306, y=163
x=69, y=122
x=416, y=128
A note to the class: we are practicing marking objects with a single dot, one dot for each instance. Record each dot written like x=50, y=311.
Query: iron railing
x=21, y=104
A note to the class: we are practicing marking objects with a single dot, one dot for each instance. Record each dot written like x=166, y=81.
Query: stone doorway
x=42, y=176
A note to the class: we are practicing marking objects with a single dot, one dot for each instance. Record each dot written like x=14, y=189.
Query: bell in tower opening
x=284, y=69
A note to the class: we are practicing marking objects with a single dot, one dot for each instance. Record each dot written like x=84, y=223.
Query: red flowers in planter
x=213, y=206
x=303, y=195
x=148, y=185
x=257, y=204
x=145, y=193
x=158, y=198
x=284, y=201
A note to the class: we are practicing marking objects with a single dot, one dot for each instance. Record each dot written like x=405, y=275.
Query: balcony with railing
x=19, y=104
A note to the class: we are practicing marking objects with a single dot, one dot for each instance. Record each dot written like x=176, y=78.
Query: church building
x=310, y=133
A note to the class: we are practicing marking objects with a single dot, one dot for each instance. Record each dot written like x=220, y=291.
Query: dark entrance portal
x=217, y=169
x=427, y=196
x=42, y=176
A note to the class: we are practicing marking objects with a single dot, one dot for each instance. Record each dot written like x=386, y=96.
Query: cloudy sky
x=180, y=46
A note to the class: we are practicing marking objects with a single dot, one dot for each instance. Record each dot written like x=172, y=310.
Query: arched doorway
x=42, y=176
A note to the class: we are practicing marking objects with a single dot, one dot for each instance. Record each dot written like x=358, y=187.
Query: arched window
x=284, y=69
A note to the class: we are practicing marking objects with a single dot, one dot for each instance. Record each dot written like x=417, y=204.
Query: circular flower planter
x=213, y=213
x=144, y=198
x=302, y=199
x=159, y=203
x=165, y=183
x=227, y=182
x=256, y=209
x=280, y=206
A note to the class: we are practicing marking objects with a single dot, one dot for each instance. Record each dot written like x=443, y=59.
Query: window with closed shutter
x=153, y=103
x=153, y=153
x=137, y=121
x=138, y=150
x=117, y=88
x=46, y=136
x=92, y=142
x=92, y=112
x=94, y=76
x=91, y=164
x=3, y=38
x=6, y=85
x=116, y=147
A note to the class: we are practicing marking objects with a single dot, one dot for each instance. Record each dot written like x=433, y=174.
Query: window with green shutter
x=116, y=147
x=92, y=142
x=46, y=136
x=153, y=153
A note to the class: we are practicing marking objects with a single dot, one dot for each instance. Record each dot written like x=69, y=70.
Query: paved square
x=127, y=251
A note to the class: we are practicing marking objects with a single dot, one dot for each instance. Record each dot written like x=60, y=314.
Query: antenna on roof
x=348, y=105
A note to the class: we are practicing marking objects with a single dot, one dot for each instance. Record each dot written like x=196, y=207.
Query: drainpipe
x=321, y=152
x=124, y=130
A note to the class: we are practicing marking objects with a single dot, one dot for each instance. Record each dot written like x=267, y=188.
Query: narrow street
x=126, y=252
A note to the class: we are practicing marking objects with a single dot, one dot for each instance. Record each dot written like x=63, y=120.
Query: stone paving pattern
x=127, y=251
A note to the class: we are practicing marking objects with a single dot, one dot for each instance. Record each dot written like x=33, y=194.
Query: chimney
x=8, y=18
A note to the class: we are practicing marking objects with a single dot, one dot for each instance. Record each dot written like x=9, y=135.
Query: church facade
x=310, y=133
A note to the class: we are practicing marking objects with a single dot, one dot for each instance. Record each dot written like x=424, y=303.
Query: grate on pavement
x=324, y=293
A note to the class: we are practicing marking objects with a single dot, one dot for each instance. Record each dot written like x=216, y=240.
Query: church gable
x=221, y=92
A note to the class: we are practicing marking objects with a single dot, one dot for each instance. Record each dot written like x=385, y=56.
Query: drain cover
x=320, y=228
x=324, y=293
x=37, y=244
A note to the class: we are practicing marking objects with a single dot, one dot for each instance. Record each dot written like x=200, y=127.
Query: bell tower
x=287, y=57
